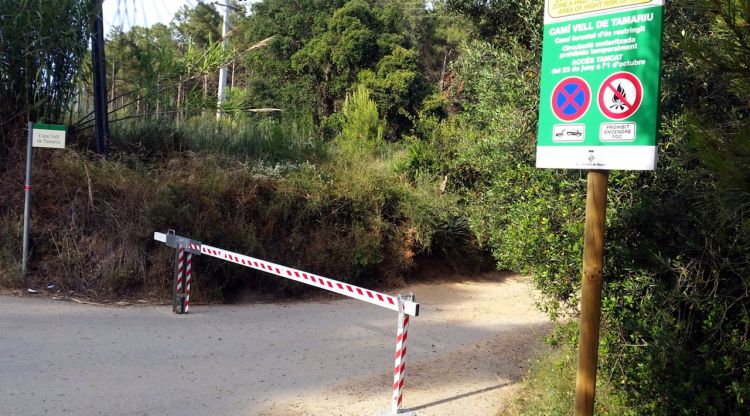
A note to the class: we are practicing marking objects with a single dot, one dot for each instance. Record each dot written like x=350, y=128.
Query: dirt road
x=466, y=352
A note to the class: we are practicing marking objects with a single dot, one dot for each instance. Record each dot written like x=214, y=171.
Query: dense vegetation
x=404, y=131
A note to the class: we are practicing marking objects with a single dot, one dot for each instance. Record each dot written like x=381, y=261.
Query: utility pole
x=223, y=72
x=100, y=82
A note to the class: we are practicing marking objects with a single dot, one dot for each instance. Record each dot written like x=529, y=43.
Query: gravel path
x=466, y=353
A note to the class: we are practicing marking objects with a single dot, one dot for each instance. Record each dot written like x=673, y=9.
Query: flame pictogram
x=618, y=104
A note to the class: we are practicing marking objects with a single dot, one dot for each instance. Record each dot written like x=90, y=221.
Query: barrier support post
x=188, y=282
x=178, y=290
x=400, y=365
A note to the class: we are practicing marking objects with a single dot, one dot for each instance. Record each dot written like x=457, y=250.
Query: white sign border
x=548, y=19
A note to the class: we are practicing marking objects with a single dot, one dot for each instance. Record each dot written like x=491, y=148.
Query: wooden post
x=591, y=297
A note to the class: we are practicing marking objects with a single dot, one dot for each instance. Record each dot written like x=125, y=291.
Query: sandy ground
x=466, y=354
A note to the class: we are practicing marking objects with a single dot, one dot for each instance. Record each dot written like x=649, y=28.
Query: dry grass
x=93, y=223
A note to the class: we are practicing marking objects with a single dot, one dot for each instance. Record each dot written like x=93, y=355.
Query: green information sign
x=48, y=135
x=599, y=100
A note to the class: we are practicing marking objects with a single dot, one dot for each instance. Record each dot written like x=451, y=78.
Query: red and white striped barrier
x=178, y=300
x=359, y=293
x=188, y=280
x=405, y=307
x=400, y=368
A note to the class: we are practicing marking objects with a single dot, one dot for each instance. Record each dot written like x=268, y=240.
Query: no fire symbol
x=620, y=95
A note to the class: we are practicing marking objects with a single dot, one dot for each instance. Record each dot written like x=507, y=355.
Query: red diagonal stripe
x=570, y=98
x=620, y=96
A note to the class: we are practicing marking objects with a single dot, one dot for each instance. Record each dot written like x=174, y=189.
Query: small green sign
x=48, y=135
x=39, y=126
x=601, y=67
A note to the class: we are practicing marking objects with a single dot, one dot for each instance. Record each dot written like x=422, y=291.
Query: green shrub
x=675, y=303
x=362, y=130
x=549, y=388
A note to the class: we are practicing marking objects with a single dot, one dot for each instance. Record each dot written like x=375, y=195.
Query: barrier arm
x=407, y=306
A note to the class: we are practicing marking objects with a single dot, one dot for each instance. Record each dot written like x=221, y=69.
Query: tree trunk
x=442, y=71
x=178, y=110
x=114, y=82
x=157, y=98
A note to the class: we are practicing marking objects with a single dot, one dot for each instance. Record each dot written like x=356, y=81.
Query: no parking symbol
x=620, y=95
x=571, y=99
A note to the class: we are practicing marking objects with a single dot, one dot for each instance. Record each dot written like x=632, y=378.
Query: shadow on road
x=457, y=397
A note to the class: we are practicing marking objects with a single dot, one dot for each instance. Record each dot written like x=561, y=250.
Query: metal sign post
x=27, y=205
x=40, y=135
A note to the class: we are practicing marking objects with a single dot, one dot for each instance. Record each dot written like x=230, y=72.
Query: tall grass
x=267, y=140
x=549, y=388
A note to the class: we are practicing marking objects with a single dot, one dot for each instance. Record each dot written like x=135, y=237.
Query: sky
x=129, y=13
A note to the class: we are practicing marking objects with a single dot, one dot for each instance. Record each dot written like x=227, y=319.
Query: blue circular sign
x=571, y=99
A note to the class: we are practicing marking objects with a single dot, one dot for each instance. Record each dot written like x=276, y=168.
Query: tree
x=39, y=60
x=201, y=24
x=497, y=20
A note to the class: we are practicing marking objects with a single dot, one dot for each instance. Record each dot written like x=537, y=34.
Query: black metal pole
x=100, y=83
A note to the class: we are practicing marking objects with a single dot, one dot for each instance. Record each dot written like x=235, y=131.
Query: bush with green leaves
x=362, y=128
x=39, y=61
x=676, y=299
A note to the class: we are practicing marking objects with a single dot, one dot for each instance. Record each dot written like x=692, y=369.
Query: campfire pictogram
x=618, y=104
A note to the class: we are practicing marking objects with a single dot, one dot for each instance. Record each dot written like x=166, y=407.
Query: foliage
x=550, y=386
x=530, y=219
x=317, y=58
x=359, y=224
x=199, y=25
x=260, y=140
x=362, y=129
x=498, y=20
x=405, y=130
x=38, y=61
x=676, y=278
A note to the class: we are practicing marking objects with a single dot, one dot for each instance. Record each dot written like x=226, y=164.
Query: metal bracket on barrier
x=183, y=279
x=176, y=241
